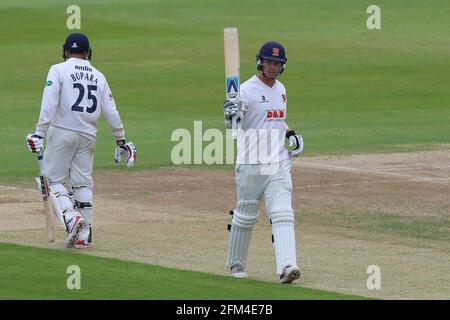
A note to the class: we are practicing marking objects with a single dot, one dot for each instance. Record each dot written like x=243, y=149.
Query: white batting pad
x=61, y=202
x=244, y=218
x=282, y=216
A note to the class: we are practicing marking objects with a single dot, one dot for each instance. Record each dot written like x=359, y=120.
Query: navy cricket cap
x=272, y=51
x=76, y=42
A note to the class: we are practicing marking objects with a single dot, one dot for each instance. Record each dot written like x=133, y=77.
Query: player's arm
x=112, y=116
x=50, y=100
x=295, y=141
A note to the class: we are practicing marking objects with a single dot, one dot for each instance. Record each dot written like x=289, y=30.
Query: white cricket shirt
x=74, y=97
x=262, y=131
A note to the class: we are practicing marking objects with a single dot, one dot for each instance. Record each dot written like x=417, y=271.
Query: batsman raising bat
x=75, y=95
x=263, y=164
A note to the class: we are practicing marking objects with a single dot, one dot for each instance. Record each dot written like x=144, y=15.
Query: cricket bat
x=48, y=209
x=232, y=65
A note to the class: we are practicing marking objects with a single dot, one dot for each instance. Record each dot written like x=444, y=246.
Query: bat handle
x=40, y=158
x=233, y=128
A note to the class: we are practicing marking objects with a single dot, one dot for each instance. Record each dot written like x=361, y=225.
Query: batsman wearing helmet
x=75, y=95
x=263, y=164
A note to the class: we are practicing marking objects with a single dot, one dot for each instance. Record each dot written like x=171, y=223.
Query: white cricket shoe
x=238, y=271
x=81, y=244
x=290, y=273
x=83, y=239
x=75, y=225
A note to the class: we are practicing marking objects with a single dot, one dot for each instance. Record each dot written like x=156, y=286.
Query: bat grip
x=233, y=128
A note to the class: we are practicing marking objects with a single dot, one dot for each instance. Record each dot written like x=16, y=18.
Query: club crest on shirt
x=275, y=115
x=263, y=99
x=284, y=97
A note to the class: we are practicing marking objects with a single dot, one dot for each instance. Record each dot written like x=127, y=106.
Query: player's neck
x=77, y=56
x=267, y=81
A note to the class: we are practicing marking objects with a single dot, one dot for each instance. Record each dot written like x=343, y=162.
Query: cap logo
x=74, y=45
x=276, y=52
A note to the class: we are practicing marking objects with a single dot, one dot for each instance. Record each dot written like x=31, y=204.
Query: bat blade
x=232, y=68
x=48, y=208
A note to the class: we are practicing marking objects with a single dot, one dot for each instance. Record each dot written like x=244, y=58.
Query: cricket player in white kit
x=263, y=164
x=75, y=95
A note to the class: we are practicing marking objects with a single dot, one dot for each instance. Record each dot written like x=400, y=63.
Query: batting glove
x=127, y=148
x=296, y=141
x=35, y=142
x=230, y=109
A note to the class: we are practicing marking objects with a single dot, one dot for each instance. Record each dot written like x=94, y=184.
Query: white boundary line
x=418, y=168
x=355, y=183
x=374, y=172
x=3, y=188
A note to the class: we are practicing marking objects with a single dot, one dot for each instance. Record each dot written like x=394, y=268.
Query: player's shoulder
x=57, y=66
x=99, y=73
x=253, y=81
x=280, y=85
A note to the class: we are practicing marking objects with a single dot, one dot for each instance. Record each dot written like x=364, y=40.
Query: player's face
x=271, y=68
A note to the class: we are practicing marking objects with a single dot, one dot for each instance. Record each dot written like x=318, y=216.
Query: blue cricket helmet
x=77, y=43
x=271, y=50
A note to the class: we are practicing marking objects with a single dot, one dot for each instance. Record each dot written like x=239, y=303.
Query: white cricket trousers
x=69, y=156
x=275, y=184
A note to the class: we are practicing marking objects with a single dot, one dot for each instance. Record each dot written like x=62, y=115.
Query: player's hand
x=295, y=141
x=230, y=109
x=35, y=142
x=125, y=148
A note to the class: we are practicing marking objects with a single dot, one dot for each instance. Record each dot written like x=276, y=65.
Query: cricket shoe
x=238, y=271
x=81, y=244
x=75, y=225
x=289, y=274
x=83, y=239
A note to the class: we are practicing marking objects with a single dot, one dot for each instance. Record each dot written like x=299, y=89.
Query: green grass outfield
x=32, y=273
x=350, y=90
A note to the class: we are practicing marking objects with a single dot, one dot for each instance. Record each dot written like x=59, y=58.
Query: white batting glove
x=35, y=142
x=296, y=141
x=230, y=109
x=234, y=108
x=125, y=148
